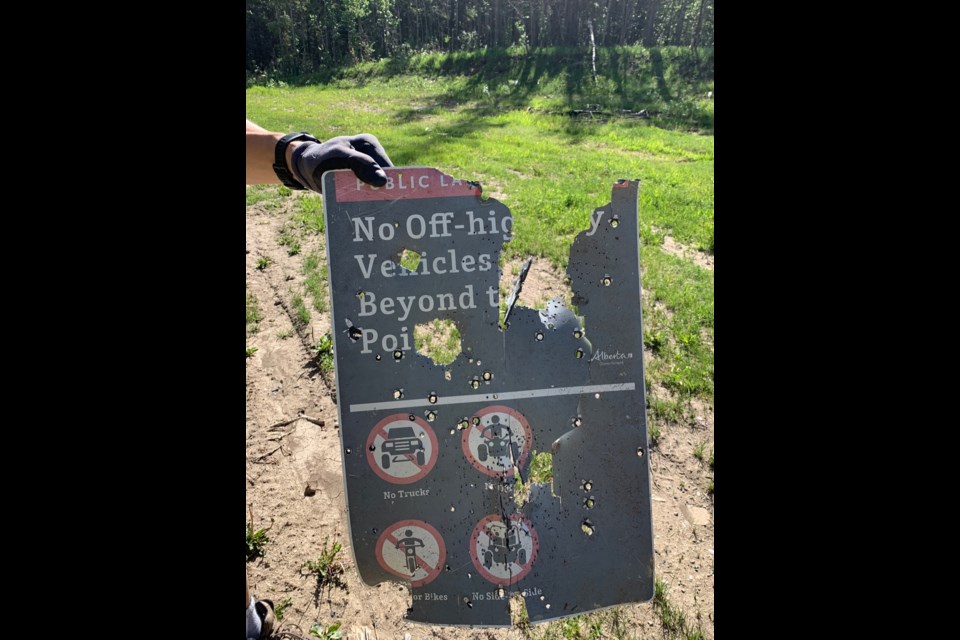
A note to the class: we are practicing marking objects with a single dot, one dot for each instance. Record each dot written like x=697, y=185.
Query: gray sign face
x=432, y=453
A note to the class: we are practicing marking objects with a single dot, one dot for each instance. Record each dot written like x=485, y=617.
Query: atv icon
x=504, y=546
x=400, y=443
x=497, y=442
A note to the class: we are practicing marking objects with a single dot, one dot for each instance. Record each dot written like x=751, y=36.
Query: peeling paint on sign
x=432, y=452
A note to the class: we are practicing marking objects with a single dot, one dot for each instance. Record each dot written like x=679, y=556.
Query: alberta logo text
x=610, y=358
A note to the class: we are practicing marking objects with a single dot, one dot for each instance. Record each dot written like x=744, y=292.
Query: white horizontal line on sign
x=492, y=397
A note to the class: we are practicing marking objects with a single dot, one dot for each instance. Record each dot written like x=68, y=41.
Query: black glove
x=363, y=153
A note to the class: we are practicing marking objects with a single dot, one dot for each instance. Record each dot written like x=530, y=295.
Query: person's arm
x=307, y=161
x=260, y=149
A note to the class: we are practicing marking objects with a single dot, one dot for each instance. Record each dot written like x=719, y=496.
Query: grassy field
x=551, y=169
x=505, y=122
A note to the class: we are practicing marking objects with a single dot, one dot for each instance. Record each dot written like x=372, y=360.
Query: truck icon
x=504, y=546
x=400, y=443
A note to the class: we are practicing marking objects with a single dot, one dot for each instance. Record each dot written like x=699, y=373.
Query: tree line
x=294, y=37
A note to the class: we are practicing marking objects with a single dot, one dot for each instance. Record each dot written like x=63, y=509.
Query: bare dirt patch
x=543, y=283
x=699, y=258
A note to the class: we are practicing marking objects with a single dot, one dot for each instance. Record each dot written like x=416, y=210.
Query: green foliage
x=256, y=540
x=541, y=468
x=324, y=353
x=291, y=37
x=326, y=633
x=326, y=568
x=409, y=260
x=251, y=351
x=281, y=607
x=263, y=262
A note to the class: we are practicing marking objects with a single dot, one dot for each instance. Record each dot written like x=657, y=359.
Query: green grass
x=672, y=618
x=251, y=351
x=673, y=83
x=653, y=433
x=609, y=624
x=309, y=213
x=262, y=193
x=551, y=170
x=699, y=451
x=665, y=408
x=268, y=197
x=301, y=316
x=285, y=333
x=288, y=240
x=541, y=468
x=685, y=358
x=525, y=155
x=518, y=613
x=315, y=283
x=254, y=316
x=263, y=262
x=439, y=340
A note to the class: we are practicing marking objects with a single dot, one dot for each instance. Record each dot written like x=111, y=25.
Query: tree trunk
x=593, y=50
x=654, y=6
x=696, y=32
x=573, y=22
x=627, y=18
x=681, y=19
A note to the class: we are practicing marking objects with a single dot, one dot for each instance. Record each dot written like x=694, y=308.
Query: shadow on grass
x=670, y=82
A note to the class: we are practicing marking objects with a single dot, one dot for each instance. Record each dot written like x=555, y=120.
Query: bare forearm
x=261, y=145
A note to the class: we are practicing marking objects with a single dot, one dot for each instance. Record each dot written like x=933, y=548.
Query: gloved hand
x=363, y=153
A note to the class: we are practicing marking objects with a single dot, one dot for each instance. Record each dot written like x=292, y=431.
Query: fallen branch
x=302, y=416
x=267, y=455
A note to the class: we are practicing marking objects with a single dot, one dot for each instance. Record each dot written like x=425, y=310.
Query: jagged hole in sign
x=439, y=340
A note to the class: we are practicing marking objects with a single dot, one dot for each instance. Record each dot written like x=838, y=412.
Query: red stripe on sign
x=403, y=183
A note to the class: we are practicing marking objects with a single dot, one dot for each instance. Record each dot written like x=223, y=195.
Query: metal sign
x=432, y=453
